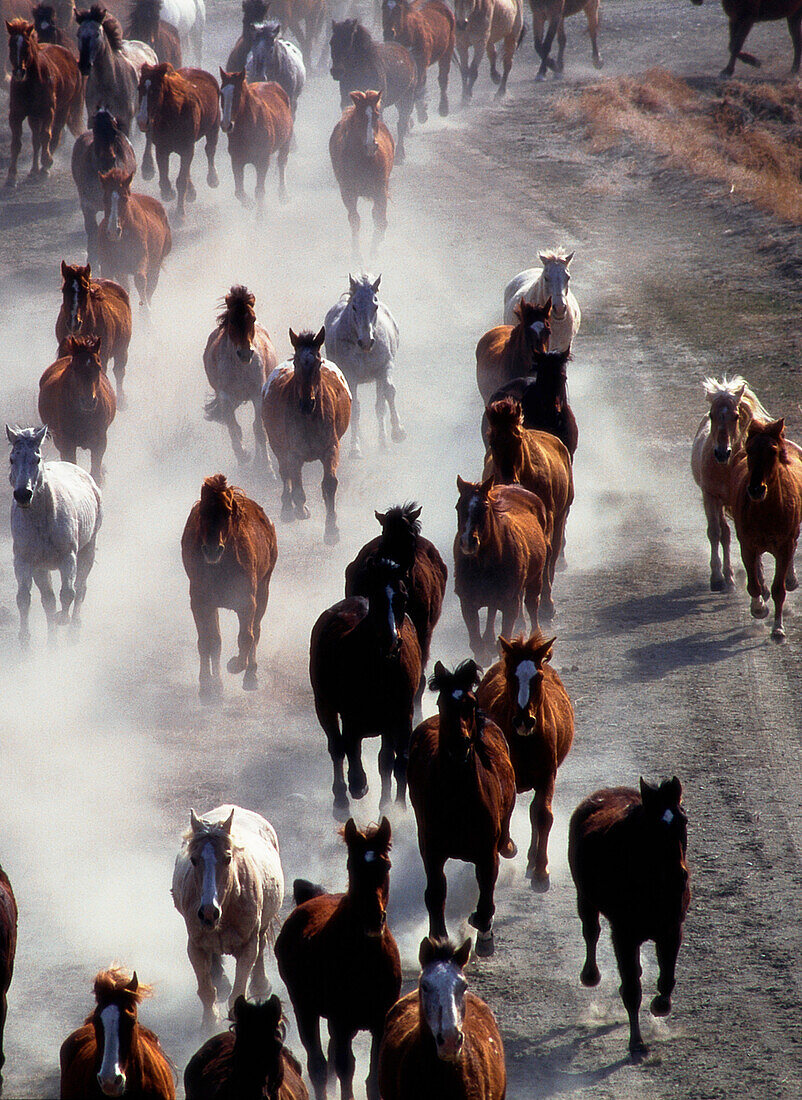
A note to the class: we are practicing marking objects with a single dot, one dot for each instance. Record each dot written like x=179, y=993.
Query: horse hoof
x=222, y=986
x=561, y=565
x=358, y=792
x=495, y=77
x=547, y=611
x=168, y=195
x=791, y=584
x=540, y=76
x=302, y=512
x=598, y=63
x=332, y=536
x=590, y=975
x=287, y=514
x=236, y=664
x=540, y=883
x=356, y=453
x=341, y=811
x=717, y=584
x=399, y=435
x=213, y=179
x=761, y=612
x=62, y=618
x=122, y=402
x=638, y=1050
x=251, y=681
x=208, y=692
x=148, y=171
x=778, y=635
x=509, y=851
x=243, y=458
x=485, y=945
x=660, y=1006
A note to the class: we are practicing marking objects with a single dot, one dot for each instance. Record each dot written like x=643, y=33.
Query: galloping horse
x=258, y=121
x=555, y=12
x=98, y=150
x=305, y=18
x=8, y=950
x=111, y=77
x=306, y=409
x=49, y=30
x=254, y=12
x=510, y=351
x=481, y=24
x=441, y=1041
x=113, y=1054
x=228, y=886
x=543, y=398
x=427, y=30
x=273, y=58
x=229, y=551
x=134, y=237
x=743, y=14
x=538, y=287
x=525, y=697
x=146, y=25
x=627, y=852
x=340, y=962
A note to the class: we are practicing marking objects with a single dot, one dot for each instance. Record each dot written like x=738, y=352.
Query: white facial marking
x=457, y=695
x=114, y=210
x=442, y=990
x=209, y=890
x=111, y=1076
x=524, y=673
x=74, y=306
x=537, y=327
x=668, y=817
x=370, y=114
x=369, y=857
x=227, y=100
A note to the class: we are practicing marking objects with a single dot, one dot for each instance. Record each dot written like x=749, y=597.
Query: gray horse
x=273, y=58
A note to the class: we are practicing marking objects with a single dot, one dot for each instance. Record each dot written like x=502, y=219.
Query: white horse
x=55, y=517
x=228, y=886
x=537, y=287
x=189, y=19
x=362, y=339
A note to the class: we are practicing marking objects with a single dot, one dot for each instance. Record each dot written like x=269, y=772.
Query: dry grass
x=749, y=137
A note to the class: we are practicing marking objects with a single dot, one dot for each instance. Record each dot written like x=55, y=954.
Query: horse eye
x=194, y=861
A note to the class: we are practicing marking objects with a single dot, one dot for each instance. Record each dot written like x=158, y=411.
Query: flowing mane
x=729, y=387
x=239, y=316
x=116, y=982
x=554, y=255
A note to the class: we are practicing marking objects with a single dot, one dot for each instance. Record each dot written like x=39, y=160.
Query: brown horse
x=178, y=107
x=743, y=14
x=340, y=962
x=306, y=410
x=134, y=237
x=258, y=120
x=14, y=9
x=8, y=949
x=77, y=403
x=627, y=856
x=525, y=697
x=229, y=551
x=47, y=89
x=146, y=25
x=103, y=147
x=543, y=398
x=555, y=12
x=96, y=307
x=767, y=509
x=362, y=151
x=440, y=1041
x=113, y=1054
x=305, y=18
x=253, y=13
x=427, y=29
x=511, y=351
x=49, y=30
x=365, y=667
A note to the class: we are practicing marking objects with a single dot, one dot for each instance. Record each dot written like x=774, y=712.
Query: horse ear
x=350, y=831
x=504, y=645
x=64, y=269
x=738, y=393
x=462, y=954
x=133, y=985
x=426, y=952
x=228, y=823
x=352, y=283
x=416, y=513
x=568, y=258
x=543, y=652
x=40, y=435
x=320, y=338
x=223, y=73
x=12, y=435
x=439, y=670
x=128, y=181
x=647, y=793
x=547, y=306
x=381, y=517
x=461, y=485
x=384, y=836
x=675, y=787
x=776, y=428
x=375, y=286
x=93, y=343
x=486, y=485
x=293, y=339
x=542, y=256
x=239, y=1005
x=195, y=822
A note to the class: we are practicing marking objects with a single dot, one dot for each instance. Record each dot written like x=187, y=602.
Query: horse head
x=116, y=184
x=216, y=517
x=90, y=36
x=387, y=604
x=105, y=132
x=369, y=871
x=27, y=469
x=523, y=661
x=441, y=993
x=253, y=13
x=117, y=996
x=666, y=823
x=394, y=16
x=463, y=10
x=75, y=282
x=307, y=362
x=725, y=415
x=85, y=370
x=363, y=307
x=211, y=852
x=400, y=532
x=238, y=321
x=765, y=450
x=263, y=48
x=44, y=19
x=456, y=705
x=505, y=426
x=535, y=324
x=556, y=278
x=473, y=507
x=341, y=44
x=259, y=1033
x=22, y=44
x=153, y=80
x=231, y=85
x=367, y=108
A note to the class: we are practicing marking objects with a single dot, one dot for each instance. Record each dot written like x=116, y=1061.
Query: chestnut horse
x=428, y=31
x=306, y=409
x=96, y=307
x=555, y=12
x=340, y=962
x=362, y=151
x=767, y=509
x=258, y=121
x=101, y=148
x=77, y=403
x=743, y=14
x=134, y=237
x=627, y=856
x=113, y=1054
x=525, y=697
x=178, y=107
x=543, y=397
x=146, y=25
x=8, y=949
x=47, y=89
x=229, y=551
x=500, y=558
x=442, y=1042
x=254, y=12
x=510, y=351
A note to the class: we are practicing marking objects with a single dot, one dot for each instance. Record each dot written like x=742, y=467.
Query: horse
x=427, y=30
x=525, y=697
x=742, y=16
x=228, y=886
x=362, y=339
x=441, y=1041
x=238, y=358
x=717, y=448
x=111, y=77
x=339, y=960
x=482, y=24
x=627, y=851
x=55, y=517
x=249, y=1062
x=254, y=12
x=146, y=25
x=362, y=152
x=8, y=950
x=555, y=12
x=97, y=150
x=229, y=552
x=273, y=58
x=306, y=409
x=178, y=107
x=543, y=398
x=509, y=351
x=113, y=1054
x=500, y=558
x=767, y=509
x=134, y=237
x=258, y=121
x=189, y=19
x=46, y=88
x=359, y=64
x=14, y=9
x=305, y=18
x=538, y=287
x=48, y=29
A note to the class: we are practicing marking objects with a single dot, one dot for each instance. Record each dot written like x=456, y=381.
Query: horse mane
x=212, y=489
x=306, y=339
x=553, y=254
x=530, y=645
x=505, y=415
x=116, y=176
x=363, y=40
x=403, y=516
x=239, y=303
x=620, y=804
x=44, y=11
x=441, y=949
x=368, y=833
x=104, y=126
x=728, y=387
x=215, y=830
x=467, y=673
x=143, y=18
x=81, y=343
x=115, y=981
x=111, y=26
x=20, y=26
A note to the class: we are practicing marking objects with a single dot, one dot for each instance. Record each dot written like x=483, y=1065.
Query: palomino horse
x=273, y=58
x=767, y=509
x=525, y=697
x=113, y=1054
x=543, y=398
x=229, y=552
x=47, y=89
x=305, y=18
x=258, y=121
x=77, y=402
x=146, y=25
x=462, y=788
x=500, y=558
x=134, y=237
x=427, y=30
x=441, y=1040
x=510, y=351
x=228, y=886
x=362, y=151
x=110, y=76
x=627, y=856
x=96, y=307
x=55, y=517
x=362, y=339
x=538, y=287
x=8, y=949
x=178, y=107
x=743, y=14
x=98, y=150
x=365, y=667
x=254, y=12
x=482, y=24
x=248, y=1061
x=717, y=449
x=340, y=962
x=555, y=12
x=238, y=359
x=306, y=409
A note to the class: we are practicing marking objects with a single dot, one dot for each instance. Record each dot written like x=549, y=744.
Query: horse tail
x=214, y=409
x=304, y=891
x=521, y=36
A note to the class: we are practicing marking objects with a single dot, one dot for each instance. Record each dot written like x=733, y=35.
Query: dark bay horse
x=99, y=149
x=146, y=25
x=49, y=30
x=340, y=961
x=134, y=237
x=743, y=14
x=258, y=120
x=254, y=12
x=428, y=31
x=8, y=950
x=627, y=854
x=525, y=697
x=543, y=397
x=229, y=551
x=512, y=351
x=555, y=12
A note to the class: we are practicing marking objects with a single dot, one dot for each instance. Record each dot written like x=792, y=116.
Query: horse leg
x=260, y=437
x=309, y=1031
x=331, y=534
x=15, y=125
x=372, y=1080
x=202, y=965
x=495, y=76
x=509, y=617
x=41, y=579
x=401, y=746
x=235, y=432
x=782, y=563
x=791, y=582
x=245, y=961
x=221, y=983
x=90, y=227
x=86, y=559
x=298, y=493
x=715, y=515
x=381, y=405
x=542, y=818
x=627, y=954
x=435, y=893
x=532, y=604
x=259, y=193
x=386, y=763
x=287, y=510
x=592, y=13
x=207, y=624
x=538, y=23
x=473, y=71
x=350, y=201
x=120, y=363
x=24, y=575
x=238, y=168
x=443, y=71
x=210, y=149
x=397, y=432
x=327, y=716
x=46, y=139
x=148, y=167
x=141, y=284
x=558, y=65
x=260, y=983
x=96, y=454
x=283, y=154
x=739, y=29
x=545, y=62
x=379, y=220
x=470, y=616
x=510, y=46
x=245, y=659
x=352, y=742
x=163, y=164
x=404, y=108
x=795, y=30
x=755, y=584
x=69, y=571
x=184, y=186
x=356, y=447
x=343, y=1058
x=482, y=918
x=589, y=915
x=36, y=144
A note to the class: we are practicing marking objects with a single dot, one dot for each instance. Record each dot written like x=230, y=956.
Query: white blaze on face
x=227, y=104
x=524, y=673
x=114, y=210
x=537, y=328
x=111, y=1077
x=442, y=992
x=471, y=522
x=74, y=304
x=390, y=616
x=668, y=817
x=370, y=113
x=209, y=890
x=142, y=116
